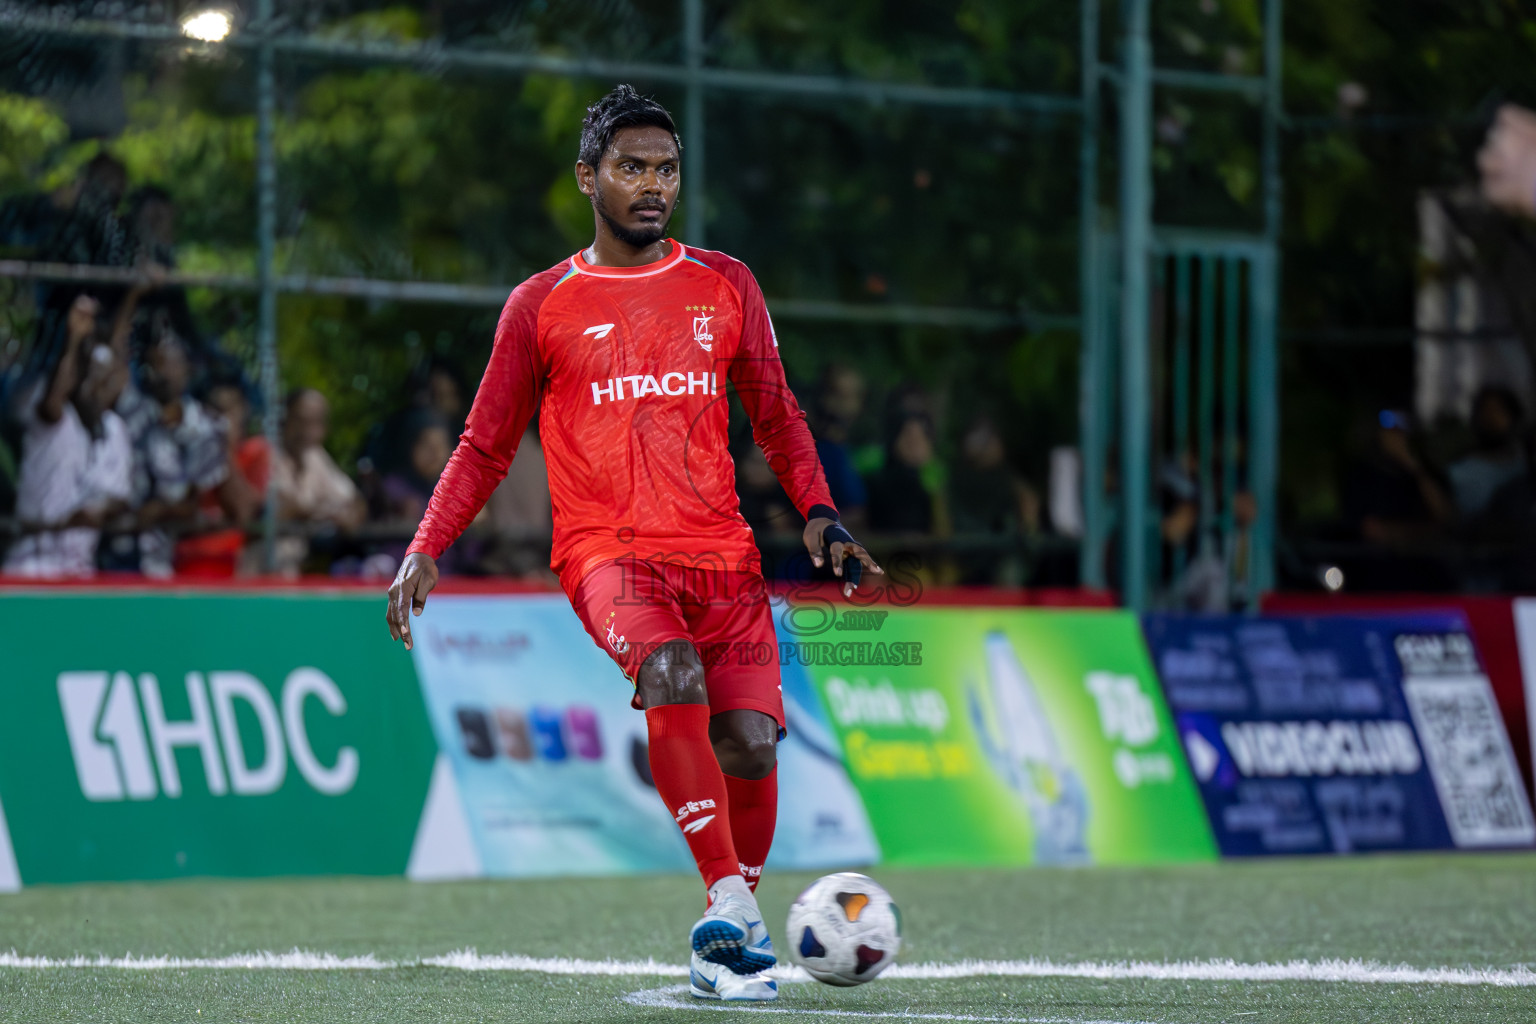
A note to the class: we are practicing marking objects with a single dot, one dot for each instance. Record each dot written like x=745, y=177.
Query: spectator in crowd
x=987, y=496
x=1391, y=497
x=900, y=500
x=839, y=404
x=76, y=223
x=180, y=452
x=519, y=516
x=433, y=387
x=311, y=489
x=445, y=395
x=76, y=455
x=1508, y=521
x=426, y=446
x=1393, y=503
x=766, y=508
x=151, y=226
x=248, y=451
x=1497, y=457
x=1199, y=561
x=1508, y=161
x=220, y=551
x=10, y=428
x=82, y=225
x=906, y=493
x=151, y=233
x=1190, y=563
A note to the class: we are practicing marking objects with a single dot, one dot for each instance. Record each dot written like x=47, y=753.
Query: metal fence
x=275, y=50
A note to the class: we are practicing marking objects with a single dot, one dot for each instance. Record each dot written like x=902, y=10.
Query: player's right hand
x=408, y=594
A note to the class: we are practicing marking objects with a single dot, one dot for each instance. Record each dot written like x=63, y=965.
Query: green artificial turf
x=1424, y=911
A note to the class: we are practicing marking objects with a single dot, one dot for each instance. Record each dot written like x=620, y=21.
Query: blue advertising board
x=1341, y=734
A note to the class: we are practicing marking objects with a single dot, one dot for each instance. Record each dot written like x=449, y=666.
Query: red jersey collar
x=644, y=270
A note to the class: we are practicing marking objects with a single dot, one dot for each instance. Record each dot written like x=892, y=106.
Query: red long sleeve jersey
x=628, y=368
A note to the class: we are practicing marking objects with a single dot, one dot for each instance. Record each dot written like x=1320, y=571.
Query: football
x=844, y=929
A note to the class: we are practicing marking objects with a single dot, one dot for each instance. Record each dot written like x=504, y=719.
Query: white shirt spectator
x=314, y=487
x=310, y=488
x=64, y=470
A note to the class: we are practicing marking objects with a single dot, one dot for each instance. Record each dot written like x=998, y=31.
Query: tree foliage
x=402, y=173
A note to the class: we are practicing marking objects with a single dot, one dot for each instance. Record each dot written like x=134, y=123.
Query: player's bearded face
x=635, y=185
x=638, y=235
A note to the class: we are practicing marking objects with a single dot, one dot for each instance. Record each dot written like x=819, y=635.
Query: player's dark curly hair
x=621, y=108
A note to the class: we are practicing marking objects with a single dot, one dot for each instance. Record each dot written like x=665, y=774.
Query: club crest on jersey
x=701, y=332
x=618, y=643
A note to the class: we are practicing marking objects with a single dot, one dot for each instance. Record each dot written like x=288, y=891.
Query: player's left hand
x=830, y=536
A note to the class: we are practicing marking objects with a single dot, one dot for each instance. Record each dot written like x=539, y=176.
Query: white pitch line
x=1363, y=972
x=296, y=960
x=671, y=998
x=469, y=960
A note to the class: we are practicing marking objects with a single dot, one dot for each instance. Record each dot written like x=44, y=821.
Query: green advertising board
x=150, y=735
x=1003, y=736
x=158, y=735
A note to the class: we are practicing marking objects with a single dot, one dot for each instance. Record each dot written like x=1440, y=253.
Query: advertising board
x=1341, y=734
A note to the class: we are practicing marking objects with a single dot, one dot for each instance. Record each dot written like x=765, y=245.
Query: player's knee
x=746, y=758
x=673, y=674
x=746, y=743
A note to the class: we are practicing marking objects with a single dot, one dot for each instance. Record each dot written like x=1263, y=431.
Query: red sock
x=689, y=779
x=754, y=810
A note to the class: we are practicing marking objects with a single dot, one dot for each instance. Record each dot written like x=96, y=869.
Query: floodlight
x=209, y=25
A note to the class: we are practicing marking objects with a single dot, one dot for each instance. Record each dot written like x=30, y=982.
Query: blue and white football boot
x=712, y=981
x=731, y=933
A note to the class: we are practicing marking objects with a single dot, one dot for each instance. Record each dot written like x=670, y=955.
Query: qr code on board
x=1470, y=760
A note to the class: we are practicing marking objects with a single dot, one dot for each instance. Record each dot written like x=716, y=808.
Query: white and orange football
x=844, y=929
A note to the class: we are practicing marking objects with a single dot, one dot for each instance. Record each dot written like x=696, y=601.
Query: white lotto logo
x=693, y=807
x=642, y=384
x=112, y=747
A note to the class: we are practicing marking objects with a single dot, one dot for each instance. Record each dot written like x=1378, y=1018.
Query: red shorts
x=631, y=606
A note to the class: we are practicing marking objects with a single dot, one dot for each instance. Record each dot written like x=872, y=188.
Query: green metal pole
x=1135, y=235
x=1263, y=424
x=1091, y=375
x=1231, y=392
x=1273, y=112
x=1205, y=414
x=266, y=231
x=1156, y=425
x=1180, y=353
x=1181, y=284
x=1264, y=368
x=693, y=121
